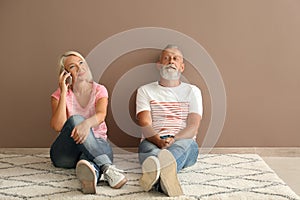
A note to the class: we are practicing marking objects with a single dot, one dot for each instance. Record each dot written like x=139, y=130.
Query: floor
x=288, y=169
x=284, y=161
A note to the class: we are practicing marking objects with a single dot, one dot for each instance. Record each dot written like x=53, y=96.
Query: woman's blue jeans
x=65, y=153
x=185, y=152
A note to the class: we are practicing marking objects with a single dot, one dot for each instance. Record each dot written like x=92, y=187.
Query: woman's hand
x=62, y=81
x=80, y=132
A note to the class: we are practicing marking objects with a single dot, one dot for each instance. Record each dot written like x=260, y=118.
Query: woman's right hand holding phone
x=63, y=84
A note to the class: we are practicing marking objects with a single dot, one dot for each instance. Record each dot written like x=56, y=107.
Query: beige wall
x=254, y=43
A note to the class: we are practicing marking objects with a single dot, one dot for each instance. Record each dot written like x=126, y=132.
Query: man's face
x=171, y=64
x=172, y=56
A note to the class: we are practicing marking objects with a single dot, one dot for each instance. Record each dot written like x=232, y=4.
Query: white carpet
x=215, y=176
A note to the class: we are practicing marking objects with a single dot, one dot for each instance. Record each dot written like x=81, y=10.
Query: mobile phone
x=68, y=79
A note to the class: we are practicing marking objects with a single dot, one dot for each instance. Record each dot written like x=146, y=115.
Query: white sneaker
x=87, y=177
x=115, y=179
x=151, y=172
x=168, y=175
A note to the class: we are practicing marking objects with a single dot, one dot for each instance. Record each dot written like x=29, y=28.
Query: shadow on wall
x=127, y=62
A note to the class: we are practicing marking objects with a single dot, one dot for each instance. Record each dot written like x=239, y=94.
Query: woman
x=79, y=109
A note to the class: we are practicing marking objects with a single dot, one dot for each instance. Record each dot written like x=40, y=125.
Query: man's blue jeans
x=185, y=152
x=65, y=153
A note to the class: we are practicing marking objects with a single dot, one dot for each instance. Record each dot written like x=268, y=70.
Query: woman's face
x=76, y=66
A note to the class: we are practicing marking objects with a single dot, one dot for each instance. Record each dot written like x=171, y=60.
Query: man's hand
x=164, y=143
x=169, y=141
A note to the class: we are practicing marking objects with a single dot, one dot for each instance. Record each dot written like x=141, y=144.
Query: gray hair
x=172, y=46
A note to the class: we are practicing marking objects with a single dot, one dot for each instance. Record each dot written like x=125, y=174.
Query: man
x=169, y=113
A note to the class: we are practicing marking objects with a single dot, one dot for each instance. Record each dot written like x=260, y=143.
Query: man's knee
x=185, y=142
x=184, y=145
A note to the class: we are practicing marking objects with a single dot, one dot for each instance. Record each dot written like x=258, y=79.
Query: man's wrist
x=166, y=136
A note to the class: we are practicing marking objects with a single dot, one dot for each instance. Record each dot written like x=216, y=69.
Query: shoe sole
x=120, y=184
x=168, y=173
x=151, y=172
x=87, y=177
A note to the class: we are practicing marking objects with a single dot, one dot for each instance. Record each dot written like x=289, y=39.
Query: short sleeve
x=196, y=101
x=142, y=101
x=100, y=92
x=56, y=94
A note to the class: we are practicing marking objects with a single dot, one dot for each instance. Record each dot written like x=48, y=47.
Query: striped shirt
x=169, y=106
x=169, y=117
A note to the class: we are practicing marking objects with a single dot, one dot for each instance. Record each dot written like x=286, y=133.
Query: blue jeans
x=65, y=153
x=185, y=152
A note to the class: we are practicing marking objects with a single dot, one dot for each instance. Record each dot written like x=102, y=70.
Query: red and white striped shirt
x=169, y=117
x=169, y=106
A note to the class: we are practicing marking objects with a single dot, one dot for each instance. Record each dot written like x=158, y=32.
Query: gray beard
x=168, y=73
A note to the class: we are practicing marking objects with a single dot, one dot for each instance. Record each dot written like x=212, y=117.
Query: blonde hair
x=64, y=56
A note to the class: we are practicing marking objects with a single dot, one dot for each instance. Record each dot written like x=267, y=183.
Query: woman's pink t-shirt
x=74, y=108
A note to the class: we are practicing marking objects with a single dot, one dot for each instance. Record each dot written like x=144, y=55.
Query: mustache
x=169, y=66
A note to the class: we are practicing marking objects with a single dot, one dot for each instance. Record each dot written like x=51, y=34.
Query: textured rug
x=215, y=176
